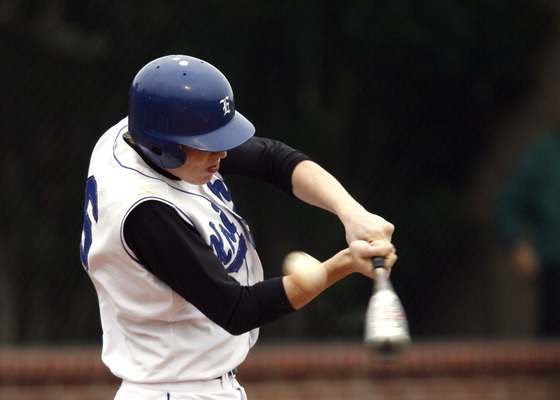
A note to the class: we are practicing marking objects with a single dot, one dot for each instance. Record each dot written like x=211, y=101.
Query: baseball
x=307, y=271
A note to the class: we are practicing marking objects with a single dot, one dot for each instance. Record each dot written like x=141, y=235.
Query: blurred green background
x=419, y=108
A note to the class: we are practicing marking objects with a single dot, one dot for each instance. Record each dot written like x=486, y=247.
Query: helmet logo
x=225, y=105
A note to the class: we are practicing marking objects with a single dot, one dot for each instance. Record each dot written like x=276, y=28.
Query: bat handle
x=378, y=262
x=381, y=272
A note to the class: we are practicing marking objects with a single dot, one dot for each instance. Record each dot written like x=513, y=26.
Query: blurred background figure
x=528, y=222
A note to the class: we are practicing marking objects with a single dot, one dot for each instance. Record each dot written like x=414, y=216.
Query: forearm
x=314, y=185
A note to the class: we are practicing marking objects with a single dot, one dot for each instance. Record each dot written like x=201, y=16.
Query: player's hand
x=362, y=252
x=305, y=277
x=360, y=224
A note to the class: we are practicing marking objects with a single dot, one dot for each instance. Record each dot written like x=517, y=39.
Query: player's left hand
x=360, y=224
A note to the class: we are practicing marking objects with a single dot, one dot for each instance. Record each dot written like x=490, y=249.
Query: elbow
x=236, y=331
x=237, y=328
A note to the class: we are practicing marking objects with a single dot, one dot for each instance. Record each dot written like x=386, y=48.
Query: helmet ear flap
x=164, y=154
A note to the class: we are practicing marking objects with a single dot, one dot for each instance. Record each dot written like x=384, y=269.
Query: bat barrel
x=386, y=325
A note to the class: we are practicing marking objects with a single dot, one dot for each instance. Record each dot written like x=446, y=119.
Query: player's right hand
x=362, y=252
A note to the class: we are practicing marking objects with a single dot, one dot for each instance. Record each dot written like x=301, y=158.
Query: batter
x=180, y=285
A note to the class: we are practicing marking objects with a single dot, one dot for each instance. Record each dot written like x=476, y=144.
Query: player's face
x=200, y=165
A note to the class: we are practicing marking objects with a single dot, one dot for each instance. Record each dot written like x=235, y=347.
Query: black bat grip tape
x=378, y=262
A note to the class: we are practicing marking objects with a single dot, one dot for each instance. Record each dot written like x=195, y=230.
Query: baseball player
x=180, y=286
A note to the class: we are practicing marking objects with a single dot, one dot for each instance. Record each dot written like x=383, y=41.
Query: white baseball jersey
x=150, y=333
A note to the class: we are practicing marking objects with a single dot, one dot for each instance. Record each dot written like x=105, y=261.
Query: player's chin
x=205, y=181
x=199, y=180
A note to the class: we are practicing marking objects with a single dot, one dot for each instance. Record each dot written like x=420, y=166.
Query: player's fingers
x=369, y=227
x=363, y=252
x=367, y=250
x=390, y=260
x=388, y=230
x=384, y=231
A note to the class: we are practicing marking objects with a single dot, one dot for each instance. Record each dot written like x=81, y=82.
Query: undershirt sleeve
x=172, y=250
x=264, y=159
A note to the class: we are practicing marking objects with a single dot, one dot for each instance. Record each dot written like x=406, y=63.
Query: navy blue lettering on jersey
x=219, y=189
x=227, y=233
x=91, y=199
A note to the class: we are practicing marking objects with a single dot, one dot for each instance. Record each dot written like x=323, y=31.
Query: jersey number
x=91, y=201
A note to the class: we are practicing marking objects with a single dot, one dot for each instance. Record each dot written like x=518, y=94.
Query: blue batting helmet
x=179, y=101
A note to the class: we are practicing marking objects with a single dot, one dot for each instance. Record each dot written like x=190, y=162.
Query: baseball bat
x=386, y=325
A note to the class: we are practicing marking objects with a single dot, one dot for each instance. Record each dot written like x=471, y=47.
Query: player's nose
x=219, y=154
